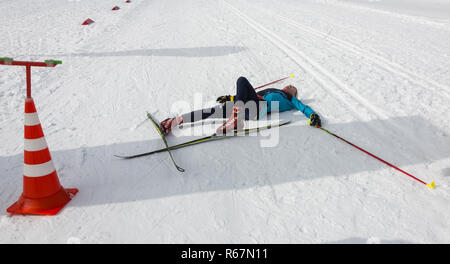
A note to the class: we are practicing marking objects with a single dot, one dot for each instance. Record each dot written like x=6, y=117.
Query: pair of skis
x=212, y=137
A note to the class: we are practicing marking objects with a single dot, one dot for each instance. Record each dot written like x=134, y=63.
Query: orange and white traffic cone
x=42, y=192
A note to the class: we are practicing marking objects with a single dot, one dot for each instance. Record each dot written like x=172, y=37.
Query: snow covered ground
x=376, y=71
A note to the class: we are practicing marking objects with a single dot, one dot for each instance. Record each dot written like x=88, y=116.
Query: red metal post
x=28, y=65
x=28, y=81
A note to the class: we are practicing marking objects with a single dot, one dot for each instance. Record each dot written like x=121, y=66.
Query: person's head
x=290, y=89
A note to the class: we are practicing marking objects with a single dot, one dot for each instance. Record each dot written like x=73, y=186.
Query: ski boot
x=234, y=122
x=167, y=125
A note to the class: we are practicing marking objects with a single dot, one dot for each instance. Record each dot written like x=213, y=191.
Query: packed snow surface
x=377, y=72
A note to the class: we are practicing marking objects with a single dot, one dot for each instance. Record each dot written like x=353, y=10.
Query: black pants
x=245, y=94
x=245, y=91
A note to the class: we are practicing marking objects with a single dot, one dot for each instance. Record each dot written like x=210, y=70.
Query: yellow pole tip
x=431, y=185
x=292, y=75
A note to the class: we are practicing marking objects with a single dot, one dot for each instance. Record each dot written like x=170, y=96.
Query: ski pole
x=431, y=185
x=292, y=75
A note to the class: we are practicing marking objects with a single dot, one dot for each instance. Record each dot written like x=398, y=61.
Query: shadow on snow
x=165, y=52
x=303, y=153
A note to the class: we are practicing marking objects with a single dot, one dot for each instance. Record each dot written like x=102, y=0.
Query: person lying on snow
x=233, y=107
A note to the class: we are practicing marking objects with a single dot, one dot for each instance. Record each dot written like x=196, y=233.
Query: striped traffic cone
x=42, y=192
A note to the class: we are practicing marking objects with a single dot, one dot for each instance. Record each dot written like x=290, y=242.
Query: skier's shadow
x=211, y=51
x=302, y=153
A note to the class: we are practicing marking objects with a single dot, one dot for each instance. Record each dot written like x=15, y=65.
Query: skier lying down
x=257, y=104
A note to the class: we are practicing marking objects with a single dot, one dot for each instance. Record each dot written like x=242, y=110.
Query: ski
x=212, y=137
x=165, y=141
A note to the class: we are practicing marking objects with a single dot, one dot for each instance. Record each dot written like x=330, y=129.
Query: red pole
x=292, y=75
x=28, y=67
x=431, y=185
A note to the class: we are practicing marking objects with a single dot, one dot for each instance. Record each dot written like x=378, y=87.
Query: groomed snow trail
x=378, y=78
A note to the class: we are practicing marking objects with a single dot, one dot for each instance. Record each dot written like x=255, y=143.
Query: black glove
x=224, y=98
x=315, y=120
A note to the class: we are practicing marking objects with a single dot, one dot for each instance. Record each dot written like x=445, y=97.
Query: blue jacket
x=284, y=104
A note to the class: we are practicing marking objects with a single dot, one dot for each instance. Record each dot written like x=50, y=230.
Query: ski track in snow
x=424, y=82
x=311, y=188
x=320, y=74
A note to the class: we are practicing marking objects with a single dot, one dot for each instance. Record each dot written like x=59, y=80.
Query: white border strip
x=39, y=169
x=32, y=119
x=35, y=144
